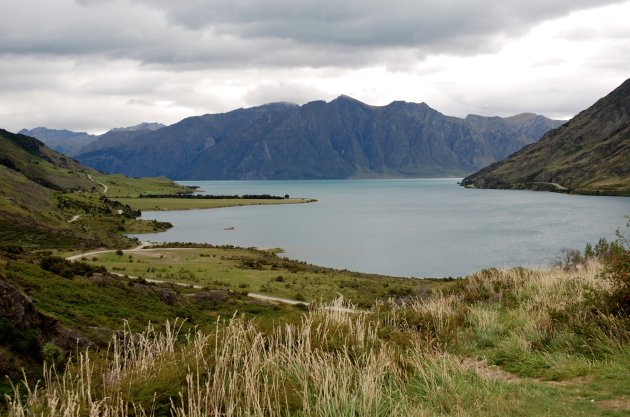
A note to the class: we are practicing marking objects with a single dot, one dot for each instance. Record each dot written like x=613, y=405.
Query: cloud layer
x=94, y=64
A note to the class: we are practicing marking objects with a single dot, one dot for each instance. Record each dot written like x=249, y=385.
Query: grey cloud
x=273, y=33
x=283, y=92
x=424, y=24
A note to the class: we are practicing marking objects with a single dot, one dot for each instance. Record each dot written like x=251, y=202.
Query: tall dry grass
x=395, y=359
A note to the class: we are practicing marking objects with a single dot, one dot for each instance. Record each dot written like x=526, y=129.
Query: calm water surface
x=409, y=227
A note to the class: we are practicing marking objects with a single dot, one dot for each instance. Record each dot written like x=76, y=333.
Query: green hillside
x=587, y=155
x=41, y=191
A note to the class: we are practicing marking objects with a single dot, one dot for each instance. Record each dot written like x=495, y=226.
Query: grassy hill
x=587, y=155
x=42, y=190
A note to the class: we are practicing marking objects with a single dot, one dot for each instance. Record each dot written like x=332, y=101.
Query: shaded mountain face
x=64, y=141
x=588, y=154
x=344, y=138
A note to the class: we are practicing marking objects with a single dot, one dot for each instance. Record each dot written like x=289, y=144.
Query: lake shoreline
x=425, y=227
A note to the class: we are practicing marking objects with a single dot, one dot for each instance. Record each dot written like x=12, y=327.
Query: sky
x=91, y=65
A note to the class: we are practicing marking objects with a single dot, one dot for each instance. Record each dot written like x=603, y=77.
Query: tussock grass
x=399, y=358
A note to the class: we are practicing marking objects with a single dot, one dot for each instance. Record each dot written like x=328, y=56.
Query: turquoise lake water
x=404, y=227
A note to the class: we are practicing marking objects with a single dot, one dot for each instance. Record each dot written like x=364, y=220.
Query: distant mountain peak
x=345, y=98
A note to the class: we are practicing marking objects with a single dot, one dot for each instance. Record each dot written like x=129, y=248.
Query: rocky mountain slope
x=588, y=154
x=344, y=138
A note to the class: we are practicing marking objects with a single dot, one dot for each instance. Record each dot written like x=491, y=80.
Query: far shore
x=167, y=204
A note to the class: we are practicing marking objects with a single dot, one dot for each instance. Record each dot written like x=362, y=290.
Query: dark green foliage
x=63, y=267
x=588, y=251
x=21, y=341
x=11, y=249
x=7, y=163
x=617, y=268
x=54, y=355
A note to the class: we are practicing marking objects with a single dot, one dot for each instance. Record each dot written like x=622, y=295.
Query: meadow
x=262, y=271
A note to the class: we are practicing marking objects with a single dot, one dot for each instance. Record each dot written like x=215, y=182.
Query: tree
x=588, y=251
x=617, y=268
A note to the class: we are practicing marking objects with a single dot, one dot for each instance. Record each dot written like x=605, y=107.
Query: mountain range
x=588, y=154
x=344, y=138
x=72, y=143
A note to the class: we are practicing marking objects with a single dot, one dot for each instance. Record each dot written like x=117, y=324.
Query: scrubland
x=501, y=342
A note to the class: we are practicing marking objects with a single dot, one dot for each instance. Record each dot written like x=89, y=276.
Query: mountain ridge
x=343, y=138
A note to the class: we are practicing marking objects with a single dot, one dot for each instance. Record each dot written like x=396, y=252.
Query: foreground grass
x=158, y=204
x=423, y=357
x=252, y=270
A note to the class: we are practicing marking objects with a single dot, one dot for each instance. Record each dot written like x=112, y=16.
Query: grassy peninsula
x=160, y=204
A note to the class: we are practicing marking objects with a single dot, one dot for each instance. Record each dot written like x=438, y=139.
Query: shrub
x=569, y=259
x=64, y=268
x=54, y=355
x=617, y=268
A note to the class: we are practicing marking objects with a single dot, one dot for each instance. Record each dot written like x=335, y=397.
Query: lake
x=404, y=227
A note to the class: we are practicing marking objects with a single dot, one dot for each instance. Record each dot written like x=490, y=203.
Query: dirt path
x=555, y=184
x=100, y=252
x=105, y=187
x=481, y=367
x=276, y=299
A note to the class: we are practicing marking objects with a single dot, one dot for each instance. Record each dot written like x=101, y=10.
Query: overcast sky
x=91, y=65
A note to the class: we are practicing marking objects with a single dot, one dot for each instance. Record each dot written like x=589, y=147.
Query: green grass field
x=123, y=186
x=157, y=204
x=246, y=270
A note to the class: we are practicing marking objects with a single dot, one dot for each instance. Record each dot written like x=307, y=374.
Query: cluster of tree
x=217, y=197
x=615, y=256
x=572, y=259
x=64, y=268
x=104, y=206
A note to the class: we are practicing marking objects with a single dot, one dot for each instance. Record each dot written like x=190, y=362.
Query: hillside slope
x=344, y=138
x=48, y=200
x=588, y=154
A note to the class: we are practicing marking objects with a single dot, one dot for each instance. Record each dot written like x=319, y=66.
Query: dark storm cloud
x=273, y=33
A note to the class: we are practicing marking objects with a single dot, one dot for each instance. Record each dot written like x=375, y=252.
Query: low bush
x=67, y=269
